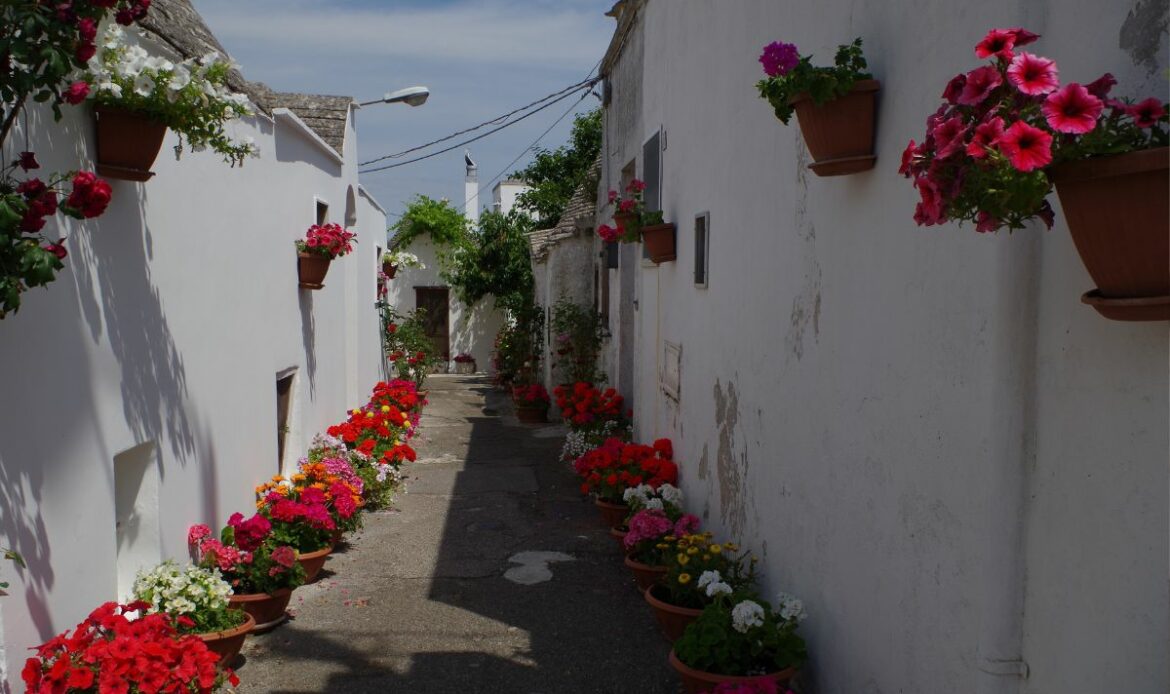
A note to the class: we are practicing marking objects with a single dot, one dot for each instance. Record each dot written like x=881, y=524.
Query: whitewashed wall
x=473, y=331
x=921, y=430
x=167, y=327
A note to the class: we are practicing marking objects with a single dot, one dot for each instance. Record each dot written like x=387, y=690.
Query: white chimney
x=471, y=189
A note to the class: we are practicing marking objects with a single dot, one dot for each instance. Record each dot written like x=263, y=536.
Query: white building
x=174, y=363
x=960, y=468
x=504, y=194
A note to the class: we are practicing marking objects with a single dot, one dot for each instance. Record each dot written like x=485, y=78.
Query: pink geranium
x=1072, y=110
x=1033, y=75
x=650, y=524
x=779, y=58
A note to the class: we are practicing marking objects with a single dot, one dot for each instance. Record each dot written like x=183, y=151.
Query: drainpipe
x=1000, y=660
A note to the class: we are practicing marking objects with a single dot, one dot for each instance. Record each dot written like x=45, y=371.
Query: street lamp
x=411, y=96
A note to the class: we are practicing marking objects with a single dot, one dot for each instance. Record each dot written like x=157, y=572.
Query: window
x=702, y=247
x=322, y=212
x=284, y=408
x=652, y=177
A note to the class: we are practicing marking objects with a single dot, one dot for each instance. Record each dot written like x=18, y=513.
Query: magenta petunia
x=979, y=84
x=1146, y=114
x=985, y=222
x=1023, y=36
x=998, y=43
x=1026, y=147
x=954, y=88
x=948, y=137
x=1072, y=110
x=779, y=58
x=986, y=135
x=1100, y=87
x=1033, y=75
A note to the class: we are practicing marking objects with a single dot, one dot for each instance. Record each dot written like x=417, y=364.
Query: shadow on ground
x=420, y=603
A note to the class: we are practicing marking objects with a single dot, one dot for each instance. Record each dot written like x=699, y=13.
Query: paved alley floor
x=490, y=575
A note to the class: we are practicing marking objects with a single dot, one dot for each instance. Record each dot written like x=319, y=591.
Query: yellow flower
x=662, y=545
x=277, y=478
x=731, y=547
x=407, y=424
x=355, y=411
x=669, y=538
x=706, y=557
x=385, y=408
x=369, y=415
x=684, y=578
x=692, y=551
x=682, y=559
x=715, y=549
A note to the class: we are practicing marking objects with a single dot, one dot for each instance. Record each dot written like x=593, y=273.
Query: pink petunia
x=932, y=201
x=1023, y=36
x=1100, y=87
x=979, y=84
x=1146, y=114
x=1072, y=109
x=1033, y=75
x=948, y=137
x=986, y=135
x=1026, y=147
x=954, y=88
x=998, y=43
x=985, y=222
x=908, y=156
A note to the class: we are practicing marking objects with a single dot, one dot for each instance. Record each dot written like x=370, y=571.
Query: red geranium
x=121, y=655
x=613, y=467
x=585, y=406
x=531, y=394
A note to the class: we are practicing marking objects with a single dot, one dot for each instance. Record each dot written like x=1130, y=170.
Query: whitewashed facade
x=141, y=386
x=960, y=468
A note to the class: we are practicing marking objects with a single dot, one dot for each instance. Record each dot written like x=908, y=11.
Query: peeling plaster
x=1141, y=33
x=730, y=468
x=806, y=305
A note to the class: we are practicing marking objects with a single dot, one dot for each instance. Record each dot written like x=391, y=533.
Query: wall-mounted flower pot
x=612, y=253
x=1118, y=214
x=696, y=681
x=127, y=143
x=389, y=269
x=311, y=270
x=659, y=242
x=839, y=133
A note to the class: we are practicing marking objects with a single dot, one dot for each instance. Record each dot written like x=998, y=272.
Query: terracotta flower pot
x=389, y=269
x=839, y=133
x=1118, y=213
x=127, y=143
x=311, y=270
x=645, y=574
x=619, y=536
x=313, y=562
x=267, y=609
x=671, y=618
x=227, y=644
x=336, y=538
x=612, y=515
x=465, y=367
x=659, y=242
x=698, y=681
x=531, y=413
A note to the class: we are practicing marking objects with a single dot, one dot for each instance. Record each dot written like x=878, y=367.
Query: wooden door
x=434, y=300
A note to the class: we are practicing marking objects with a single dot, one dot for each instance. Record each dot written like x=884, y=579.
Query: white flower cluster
x=790, y=608
x=389, y=472
x=182, y=590
x=578, y=443
x=646, y=497
x=713, y=582
x=403, y=259
x=746, y=615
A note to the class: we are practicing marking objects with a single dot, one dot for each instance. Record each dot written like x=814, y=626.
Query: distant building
x=504, y=194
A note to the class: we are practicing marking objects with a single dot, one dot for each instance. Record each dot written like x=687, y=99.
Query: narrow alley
x=491, y=574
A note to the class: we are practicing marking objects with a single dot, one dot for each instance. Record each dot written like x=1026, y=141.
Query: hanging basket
x=311, y=270
x=659, y=242
x=127, y=143
x=389, y=269
x=1118, y=214
x=839, y=133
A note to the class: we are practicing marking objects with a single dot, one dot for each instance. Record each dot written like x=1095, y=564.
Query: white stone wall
x=504, y=196
x=922, y=431
x=473, y=331
x=168, y=326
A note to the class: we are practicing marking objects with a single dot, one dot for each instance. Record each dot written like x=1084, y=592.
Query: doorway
x=434, y=302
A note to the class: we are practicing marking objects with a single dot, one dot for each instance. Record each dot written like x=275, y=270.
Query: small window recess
x=702, y=249
x=322, y=212
x=285, y=380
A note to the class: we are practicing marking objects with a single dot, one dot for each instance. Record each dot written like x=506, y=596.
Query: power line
x=566, y=90
x=526, y=150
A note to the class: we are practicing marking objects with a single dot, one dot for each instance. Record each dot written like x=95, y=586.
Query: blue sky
x=480, y=59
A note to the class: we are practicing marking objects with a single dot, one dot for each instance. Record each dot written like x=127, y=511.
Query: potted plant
x=698, y=570
x=197, y=600
x=342, y=487
x=138, y=96
x=465, y=364
x=261, y=571
x=738, y=636
x=392, y=260
x=1009, y=131
x=379, y=478
x=531, y=403
x=299, y=517
x=834, y=105
x=651, y=532
x=607, y=471
x=322, y=243
x=111, y=652
x=633, y=222
x=666, y=497
x=585, y=407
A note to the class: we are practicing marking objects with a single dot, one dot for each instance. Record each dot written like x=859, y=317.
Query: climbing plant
x=554, y=175
x=577, y=334
x=439, y=219
x=495, y=260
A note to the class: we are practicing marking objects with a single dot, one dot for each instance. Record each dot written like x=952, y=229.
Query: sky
x=480, y=59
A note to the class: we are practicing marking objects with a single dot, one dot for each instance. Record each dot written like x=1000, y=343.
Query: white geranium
x=403, y=259
x=745, y=615
x=790, y=608
x=640, y=494
x=671, y=494
x=188, y=590
x=654, y=504
x=713, y=582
